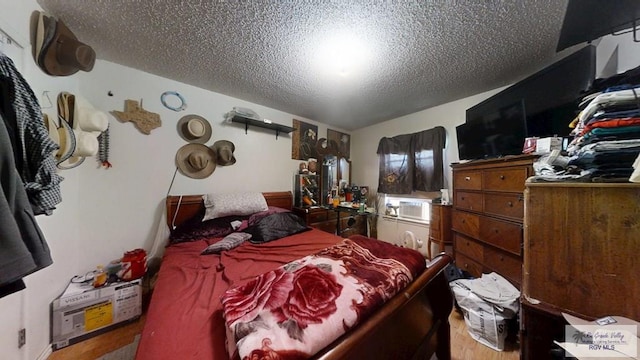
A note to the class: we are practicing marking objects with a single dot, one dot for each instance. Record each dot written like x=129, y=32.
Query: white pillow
x=221, y=205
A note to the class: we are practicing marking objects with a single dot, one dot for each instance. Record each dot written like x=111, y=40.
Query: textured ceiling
x=406, y=56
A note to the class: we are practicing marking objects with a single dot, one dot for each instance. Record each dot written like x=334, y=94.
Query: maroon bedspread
x=184, y=319
x=298, y=309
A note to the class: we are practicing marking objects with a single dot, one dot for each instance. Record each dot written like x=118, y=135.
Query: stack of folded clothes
x=607, y=131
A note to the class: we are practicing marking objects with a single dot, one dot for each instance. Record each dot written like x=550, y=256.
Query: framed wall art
x=304, y=139
x=342, y=140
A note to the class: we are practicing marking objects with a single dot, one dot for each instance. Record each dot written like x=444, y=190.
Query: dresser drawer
x=505, y=179
x=508, y=205
x=469, y=201
x=468, y=180
x=507, y=265
x=468, y=247
x=316, y=216
x=502, y=234
x=326, y=226
x=466, y=264
x=466, y=223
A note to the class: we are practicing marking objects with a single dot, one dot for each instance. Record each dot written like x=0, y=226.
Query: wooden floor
x=463, y=347
x=100, y=345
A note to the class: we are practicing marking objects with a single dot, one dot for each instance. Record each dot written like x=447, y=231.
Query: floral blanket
x=298, y=309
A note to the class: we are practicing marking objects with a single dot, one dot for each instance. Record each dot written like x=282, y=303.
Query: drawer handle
x=496, y=230
x=501, y=177
x=466, y=266
x=501, y=258
x=510, y=204
x=467, y=178
x=467, y=242
x=462, y=198
x=463, y=221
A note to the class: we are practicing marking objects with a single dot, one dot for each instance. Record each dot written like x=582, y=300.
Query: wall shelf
x=261, y=123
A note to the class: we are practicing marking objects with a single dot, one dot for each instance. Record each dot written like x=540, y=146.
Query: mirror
x=344, y=171
x=335, y=171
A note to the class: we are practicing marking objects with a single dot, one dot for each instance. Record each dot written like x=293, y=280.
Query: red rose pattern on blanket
x=298, y=309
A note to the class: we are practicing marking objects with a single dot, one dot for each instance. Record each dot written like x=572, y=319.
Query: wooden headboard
x=188, y=206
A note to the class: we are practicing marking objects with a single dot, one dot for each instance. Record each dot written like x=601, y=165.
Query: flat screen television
x=494, y=133
x=547, y=100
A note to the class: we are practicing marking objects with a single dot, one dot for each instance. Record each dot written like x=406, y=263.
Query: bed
x=185, y=316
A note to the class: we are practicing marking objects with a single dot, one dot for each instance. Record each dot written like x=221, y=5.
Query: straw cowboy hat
x=194, y=129
x=86, y=142
x=57, y=50
x=62, y=135
x=196, y=161
x=224, y=149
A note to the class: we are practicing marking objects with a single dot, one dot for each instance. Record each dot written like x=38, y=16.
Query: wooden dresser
x=325, y=219
x=440, y=228
x=580, y=257
x=487, y=215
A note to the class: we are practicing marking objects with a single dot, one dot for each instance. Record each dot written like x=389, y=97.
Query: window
x=412, y=162
x=408, y=208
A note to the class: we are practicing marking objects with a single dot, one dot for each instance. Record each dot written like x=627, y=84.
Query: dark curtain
x=412, y=162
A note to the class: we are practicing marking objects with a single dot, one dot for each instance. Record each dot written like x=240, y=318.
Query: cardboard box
x=546, y=145
x=82, y=311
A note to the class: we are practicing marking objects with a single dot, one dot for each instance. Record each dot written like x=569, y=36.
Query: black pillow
x=276, y=226
x=196, y=229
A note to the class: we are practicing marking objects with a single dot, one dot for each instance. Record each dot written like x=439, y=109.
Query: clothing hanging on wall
x=32, y=148
x=29, y=184
x=23, y=248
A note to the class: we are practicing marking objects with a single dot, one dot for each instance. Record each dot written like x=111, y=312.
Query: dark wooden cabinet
x=440, y=228
x=326, y=219
x=488, y=213
x=581, y=243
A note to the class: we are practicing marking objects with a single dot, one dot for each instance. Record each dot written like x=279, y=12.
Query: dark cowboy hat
x=57, y=50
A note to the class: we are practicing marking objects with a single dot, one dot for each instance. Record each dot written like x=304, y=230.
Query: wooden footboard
x=412, y=325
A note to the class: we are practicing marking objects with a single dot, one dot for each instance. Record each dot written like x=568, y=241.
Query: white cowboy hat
x=196, y=161
x=194, y=129
x=224, y=149
x=88, y=118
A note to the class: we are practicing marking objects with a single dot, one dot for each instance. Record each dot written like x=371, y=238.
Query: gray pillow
x=229, y=242
x=221, y=205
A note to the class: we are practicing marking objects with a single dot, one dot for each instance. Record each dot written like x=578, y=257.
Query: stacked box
x=82, y=311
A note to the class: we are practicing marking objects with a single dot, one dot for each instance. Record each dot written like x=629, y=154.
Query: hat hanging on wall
x=88, y=118
x=63, y=136
x=196, y=161
x=194, y=129
x=86, y=142
x=224, y=149
x=57, y=51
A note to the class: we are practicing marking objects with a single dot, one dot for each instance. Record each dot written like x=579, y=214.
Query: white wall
x=125, y=202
